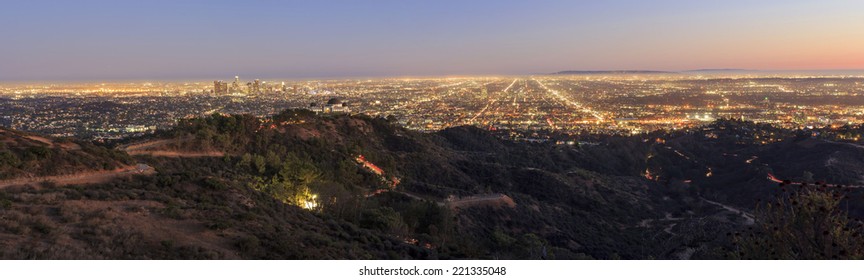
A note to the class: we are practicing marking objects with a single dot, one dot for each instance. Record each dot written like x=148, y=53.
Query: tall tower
x=220, y=87
x=235, y=86
x=256, y=86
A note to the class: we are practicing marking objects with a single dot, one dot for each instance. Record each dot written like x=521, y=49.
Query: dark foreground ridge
x=301, y=186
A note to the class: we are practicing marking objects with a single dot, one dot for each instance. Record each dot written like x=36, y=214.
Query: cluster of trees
x=808, y=223
x=320, y=174
x=18, y=159
x=526, y=246
x=291, y=184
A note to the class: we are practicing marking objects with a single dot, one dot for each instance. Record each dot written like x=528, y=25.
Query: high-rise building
x=220, y=87
x=235, y=86
x=256, y=86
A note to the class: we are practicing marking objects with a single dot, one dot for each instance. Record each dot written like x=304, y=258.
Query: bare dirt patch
x=91, y=177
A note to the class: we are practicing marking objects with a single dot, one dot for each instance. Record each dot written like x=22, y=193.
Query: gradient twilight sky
x=157, y=39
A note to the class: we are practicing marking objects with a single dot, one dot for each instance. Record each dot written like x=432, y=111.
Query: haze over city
x=141, y=40
x=470, y=131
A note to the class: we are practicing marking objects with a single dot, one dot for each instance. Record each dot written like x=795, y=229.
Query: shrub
x=807, y=224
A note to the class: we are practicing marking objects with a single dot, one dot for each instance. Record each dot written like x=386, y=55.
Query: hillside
x=26, y=155
x=297, y=185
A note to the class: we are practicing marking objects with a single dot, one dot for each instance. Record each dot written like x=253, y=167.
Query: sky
x=119, y=39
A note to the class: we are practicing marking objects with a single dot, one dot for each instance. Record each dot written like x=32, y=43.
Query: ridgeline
x=303, y=186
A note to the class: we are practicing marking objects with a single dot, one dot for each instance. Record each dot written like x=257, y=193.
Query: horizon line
x=622, y=71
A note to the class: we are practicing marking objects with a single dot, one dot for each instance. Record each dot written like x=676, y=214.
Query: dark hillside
x=299, y=185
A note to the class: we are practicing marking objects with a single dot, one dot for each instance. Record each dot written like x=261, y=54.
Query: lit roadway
x=504, y=107
x=511, y=85
x=491, y=101
x=576, y=105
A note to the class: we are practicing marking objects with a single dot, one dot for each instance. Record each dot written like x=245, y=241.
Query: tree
x=291, y=184
x=384, y=218
x=298, y=172
x=245, y=161
x=260, y=164
x=807, y=224
x=532, y=246
x=9, y=159
x=273, y=159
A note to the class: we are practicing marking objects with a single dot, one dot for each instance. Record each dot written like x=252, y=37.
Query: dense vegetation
x=295, y=185
x=23, y=156
x=808, y=223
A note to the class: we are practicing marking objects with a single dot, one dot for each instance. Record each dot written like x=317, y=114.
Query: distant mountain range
x=626, y=72
x=607, y=72
x=722, y=70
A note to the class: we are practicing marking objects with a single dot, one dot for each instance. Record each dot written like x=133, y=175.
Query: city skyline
x=552, y=104
x=110, y=40
x=476, y=132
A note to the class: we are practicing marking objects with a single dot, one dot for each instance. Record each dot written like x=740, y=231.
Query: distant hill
x=648, y=72
x=610, y=72
x=300, y=185
x=720, y=70
x=717, y=70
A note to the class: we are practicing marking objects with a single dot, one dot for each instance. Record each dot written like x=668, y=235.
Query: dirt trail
x=66, y=146
x=177, y=154
x=40, y=139
x=491, y=199
x=83, y=177
x=749, y=219
x=859, y=146
x=496, y=199
x=144, y=145
x=151, y=148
